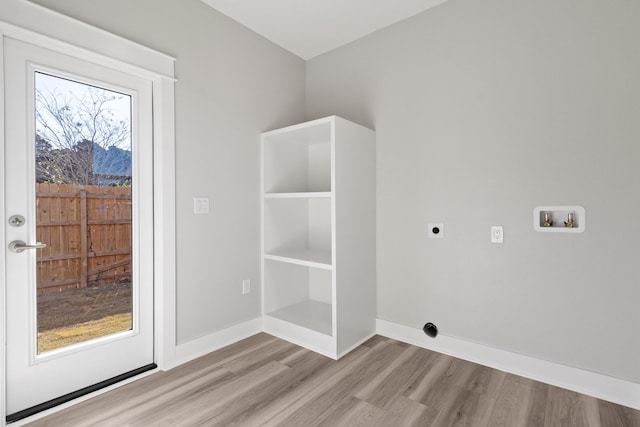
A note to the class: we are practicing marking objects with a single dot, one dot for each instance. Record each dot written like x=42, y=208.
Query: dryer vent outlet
x=430, y=329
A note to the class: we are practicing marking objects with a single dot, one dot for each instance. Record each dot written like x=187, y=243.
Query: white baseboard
x=215, y=341
x=593, y=384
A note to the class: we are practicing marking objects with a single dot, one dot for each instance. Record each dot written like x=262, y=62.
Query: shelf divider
x=301, y=195
x=309, y=258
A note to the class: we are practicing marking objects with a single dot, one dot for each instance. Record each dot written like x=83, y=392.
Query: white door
x=78, y=150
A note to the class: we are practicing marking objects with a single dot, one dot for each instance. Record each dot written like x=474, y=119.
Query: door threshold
x=76, y=394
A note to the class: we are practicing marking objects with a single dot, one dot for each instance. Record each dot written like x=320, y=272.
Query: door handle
x=18, y=246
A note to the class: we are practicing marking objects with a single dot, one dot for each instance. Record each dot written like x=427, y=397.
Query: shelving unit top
x=313, y=132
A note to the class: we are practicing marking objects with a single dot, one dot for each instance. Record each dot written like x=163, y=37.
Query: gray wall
x=232, y=85
x=483, y=111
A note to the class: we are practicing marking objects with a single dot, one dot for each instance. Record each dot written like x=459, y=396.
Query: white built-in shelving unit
x=318, y=234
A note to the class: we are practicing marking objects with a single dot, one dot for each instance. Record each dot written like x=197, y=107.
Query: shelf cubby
x=299, y=294
x=298, y=160
x=308, y=314
x=298, y=228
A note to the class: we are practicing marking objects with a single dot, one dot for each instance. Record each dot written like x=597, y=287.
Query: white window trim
x=157, y=67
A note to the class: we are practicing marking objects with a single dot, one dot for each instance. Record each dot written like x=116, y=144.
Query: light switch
x=497, y=234
x=200, y=205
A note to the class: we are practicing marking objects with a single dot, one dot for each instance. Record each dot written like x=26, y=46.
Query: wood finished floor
x=264, y=381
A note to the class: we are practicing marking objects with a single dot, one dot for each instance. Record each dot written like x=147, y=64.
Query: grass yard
x=76, y=315
x=62, y=337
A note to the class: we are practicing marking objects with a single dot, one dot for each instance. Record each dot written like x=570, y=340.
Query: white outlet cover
x=435, y=230
x=200, y=205
x=497, y=234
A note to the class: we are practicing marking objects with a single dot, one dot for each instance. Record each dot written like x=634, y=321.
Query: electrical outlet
x=497, y=234
x=246, y=286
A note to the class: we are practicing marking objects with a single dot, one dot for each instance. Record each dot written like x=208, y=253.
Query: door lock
x=18, y=246
x=16, y=220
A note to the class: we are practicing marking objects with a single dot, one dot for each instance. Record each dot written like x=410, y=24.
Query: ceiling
x=309, y=28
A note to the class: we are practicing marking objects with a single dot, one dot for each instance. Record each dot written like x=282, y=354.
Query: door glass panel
x=83, y=169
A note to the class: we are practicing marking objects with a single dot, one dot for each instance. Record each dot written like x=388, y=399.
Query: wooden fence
x=87, y=230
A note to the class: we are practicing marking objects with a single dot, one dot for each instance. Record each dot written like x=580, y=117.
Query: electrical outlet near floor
x=246, y=286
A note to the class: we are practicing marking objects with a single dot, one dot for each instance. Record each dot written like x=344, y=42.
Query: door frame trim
x=149, y=64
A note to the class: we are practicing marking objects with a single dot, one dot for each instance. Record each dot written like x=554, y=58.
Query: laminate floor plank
x=315, y=411
x=265, y=381
x=341, y=410
x=460, y=407
x=204, y=401
x=362, y=414
x=296, y=357
x=164, y=398
x=85, y=414
x=569, y=409
x=520, y=403
x=276, y=350
x=374, y=340
x=394, y=380
x=406, y=412
x=612, y=415
x=226, y=354
x=369, y=388
x=287, y=404
x=239, y=411
x=437, y=377
x=481, y=379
